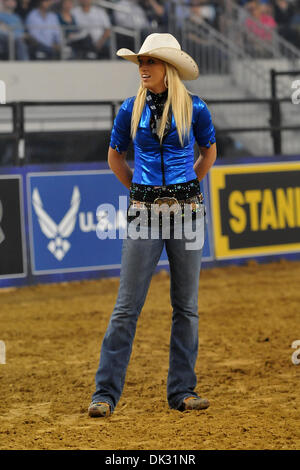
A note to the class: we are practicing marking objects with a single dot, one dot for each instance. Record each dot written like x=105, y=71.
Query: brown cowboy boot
x=99, y=410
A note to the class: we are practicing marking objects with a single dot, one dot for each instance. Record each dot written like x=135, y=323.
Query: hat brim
x=183, y=62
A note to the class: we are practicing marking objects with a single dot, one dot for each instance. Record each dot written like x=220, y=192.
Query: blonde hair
x=178, y=98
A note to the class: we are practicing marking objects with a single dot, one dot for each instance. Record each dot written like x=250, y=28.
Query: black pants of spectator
x=39, y=51
x=104, y=52
x=84, y=49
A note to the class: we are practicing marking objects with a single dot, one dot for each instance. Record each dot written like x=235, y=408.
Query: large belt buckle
x=137, y=204
x=166, y=201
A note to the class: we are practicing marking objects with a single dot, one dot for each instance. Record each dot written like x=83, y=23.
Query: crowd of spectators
x=265, y=16
x=44, y=29
x=80, y=29
x=49, y=29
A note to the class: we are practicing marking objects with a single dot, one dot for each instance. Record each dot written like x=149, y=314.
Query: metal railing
x=275, y=127
x=277, y=114
x=20, y=134
x=17, y=120
x=19, y=117
x=217, y=54
x=227, y=51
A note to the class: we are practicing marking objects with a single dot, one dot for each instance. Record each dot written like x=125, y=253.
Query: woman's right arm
x=117, y=163
x=119, y=142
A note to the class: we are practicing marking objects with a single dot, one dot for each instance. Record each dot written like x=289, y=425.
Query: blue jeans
x=139, y=260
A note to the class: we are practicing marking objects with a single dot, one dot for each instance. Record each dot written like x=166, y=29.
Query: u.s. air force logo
x=57, y=233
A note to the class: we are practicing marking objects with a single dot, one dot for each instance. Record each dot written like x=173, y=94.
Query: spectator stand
x=128, y=22
x=248, y=27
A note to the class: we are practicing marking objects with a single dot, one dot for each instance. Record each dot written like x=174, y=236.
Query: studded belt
x=162, y=204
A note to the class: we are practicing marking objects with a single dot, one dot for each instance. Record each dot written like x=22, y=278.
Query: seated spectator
x=156, y=12
x=296, y=17
x=199, y=40
x=95, y=22
x=179, y=10
x=261, y=24
x=44, y=30
x=284, y=13
x=24, y=7
x=79, y=41
x=135, y=16
x=11, y=24
x=266, y=15
x=132, y=17
x=203, y=11
x=295, y=25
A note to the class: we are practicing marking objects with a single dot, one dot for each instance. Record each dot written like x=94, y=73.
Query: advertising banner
x=12, y=239
x=64, y=220
x=255, y=209
x=68, y=212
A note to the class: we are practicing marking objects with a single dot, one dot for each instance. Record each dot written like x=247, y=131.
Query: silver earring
x=166, y=81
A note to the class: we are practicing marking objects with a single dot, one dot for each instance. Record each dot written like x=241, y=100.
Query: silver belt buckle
x=137, y=204
x=167, y=201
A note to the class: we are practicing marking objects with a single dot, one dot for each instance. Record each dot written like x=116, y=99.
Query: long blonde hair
x=178, y=98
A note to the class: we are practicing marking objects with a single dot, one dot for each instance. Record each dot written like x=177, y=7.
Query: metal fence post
x=19, y=128
x=275, y=119
x=11, y=45
x=15, y=131
x=113, y=113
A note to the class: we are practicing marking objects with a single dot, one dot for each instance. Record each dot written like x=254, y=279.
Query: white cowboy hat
x=167, y=48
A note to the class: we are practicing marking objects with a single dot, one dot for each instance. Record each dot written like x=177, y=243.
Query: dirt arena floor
x=249, y=317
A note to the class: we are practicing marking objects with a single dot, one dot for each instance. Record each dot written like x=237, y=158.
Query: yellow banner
x=255, y=209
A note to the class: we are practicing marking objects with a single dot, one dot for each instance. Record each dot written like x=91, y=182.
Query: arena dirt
x=249, y=317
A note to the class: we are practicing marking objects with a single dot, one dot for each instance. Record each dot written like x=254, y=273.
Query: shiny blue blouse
x=169, y=163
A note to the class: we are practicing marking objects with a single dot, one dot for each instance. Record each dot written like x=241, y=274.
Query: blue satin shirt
x=169, y=163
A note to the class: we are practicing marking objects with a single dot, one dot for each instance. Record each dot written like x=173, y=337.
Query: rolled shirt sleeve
x=203, y=127
x=121, y=131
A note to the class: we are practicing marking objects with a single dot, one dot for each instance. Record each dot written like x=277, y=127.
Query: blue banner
x=66, y=214
x=63, y=210
x=63, y=220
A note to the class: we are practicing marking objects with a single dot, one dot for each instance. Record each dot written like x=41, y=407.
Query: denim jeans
x=139, y=260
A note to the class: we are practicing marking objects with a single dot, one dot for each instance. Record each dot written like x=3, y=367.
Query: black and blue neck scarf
x=156, y=102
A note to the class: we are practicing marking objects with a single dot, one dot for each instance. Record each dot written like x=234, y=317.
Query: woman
x=80, y=42
x=163, y=120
